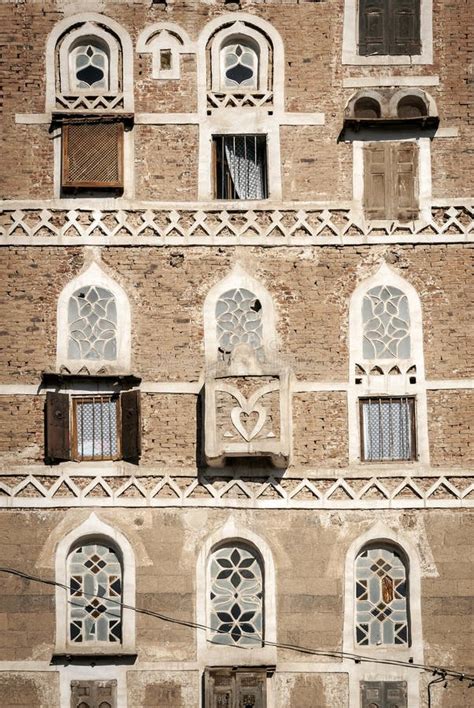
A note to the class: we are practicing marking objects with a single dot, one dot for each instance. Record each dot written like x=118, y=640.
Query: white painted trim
x=165, y=35
x=350, y=38
x=239, y=278
x=368, y=81
x=93, y=19
x=209, y=654
x=94, y=528
x=95, y=275
x=386, y=384
x=382, y=533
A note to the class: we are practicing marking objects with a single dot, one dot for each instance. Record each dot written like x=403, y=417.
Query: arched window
x=381, y=597
x=386, y=324
x=89, y=65
x=92, y=320
x=95, y=593
x=239, y=63
x=239, y=317
x=235, y=596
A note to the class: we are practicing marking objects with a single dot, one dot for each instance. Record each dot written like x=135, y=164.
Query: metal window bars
x=240, y=170
x=387, y=427
x=95, y=427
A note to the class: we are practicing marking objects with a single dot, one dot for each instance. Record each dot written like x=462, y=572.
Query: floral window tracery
x=386, y=324
x=90, y=67
x=95, y=593
x=381, y=590
x=240, y=66
x=239, y=319
x=236, y=596
x=92, y=319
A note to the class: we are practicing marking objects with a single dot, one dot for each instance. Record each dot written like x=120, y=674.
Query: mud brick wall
x=320, y=436
x=451, y=427
x=21, y=430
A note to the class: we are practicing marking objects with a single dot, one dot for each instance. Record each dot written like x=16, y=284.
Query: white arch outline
x=239, y=278
x=208, y=653
x=88, y=32
x=94, y=275
x=412, y=91
x=94, y=527
x=221, y=39
x=165, y=35
x=89, y=19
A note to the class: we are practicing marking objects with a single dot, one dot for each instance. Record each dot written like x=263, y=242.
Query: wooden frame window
x=389, y=27
x=240, y=166
x=92, y=154
x=383, y=694
x=235, y=688
x=94, y=694
x=93, y=427
x=387, y=428
x=391, y=180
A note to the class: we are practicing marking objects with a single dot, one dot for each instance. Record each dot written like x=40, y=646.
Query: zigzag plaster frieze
x=198, y=224
x=64, y=490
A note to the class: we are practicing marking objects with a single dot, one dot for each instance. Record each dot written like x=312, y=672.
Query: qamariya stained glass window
x=92, y=318
x=386, y=323
x=236, y=596
x=239, y=321
x=381, y=588
x=95, y=593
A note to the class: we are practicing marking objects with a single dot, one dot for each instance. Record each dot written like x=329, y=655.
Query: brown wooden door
x=235, y=688
x=383, y=694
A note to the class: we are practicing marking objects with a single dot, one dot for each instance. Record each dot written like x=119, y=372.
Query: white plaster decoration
x=80, y=342
x=380, y=534
x=253, y=654
x=94, y=530
x=108, y=485
x=254, y=43
x=163, y=37
x=84, y=222
x=389, y=103
x=424, y=174
x=428, y=100
x=389, y=81
x=68, y=34
x=350, y=39
x=399, y=369
x=94, y=36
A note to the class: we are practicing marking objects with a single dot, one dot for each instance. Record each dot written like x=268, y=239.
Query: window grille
x=388, y=428
x=236, y=596
x=240, y=166
x=95, y=593
x=381, y=596
x=92, y=155
x=95, y=428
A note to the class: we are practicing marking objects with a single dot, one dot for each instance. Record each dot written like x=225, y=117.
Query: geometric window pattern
x=90, y=68
x=239, y=321
x=240, y=66
x=92, y=318
x=96, y=427
x=381, y=598
x=387, y=428
x=236, y=596
x=386, y=324
x=95, y=591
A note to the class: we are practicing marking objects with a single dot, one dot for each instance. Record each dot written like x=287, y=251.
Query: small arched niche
x=412, y=107
x=367, y=107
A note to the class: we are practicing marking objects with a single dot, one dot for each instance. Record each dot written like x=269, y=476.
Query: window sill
x=93, y=657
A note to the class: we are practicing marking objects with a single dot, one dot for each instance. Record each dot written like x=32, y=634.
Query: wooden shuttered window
x=383, y=694
x=94, y=694
x=92, y=155
x=77, y=428
x=389, y=27
x=391, y=181
x=235, y=688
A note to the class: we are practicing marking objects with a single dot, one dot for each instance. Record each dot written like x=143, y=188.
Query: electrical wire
x=442, y=672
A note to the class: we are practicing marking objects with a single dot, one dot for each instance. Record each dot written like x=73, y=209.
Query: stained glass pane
x=381, y=598
x=92, y=319
x=236, y=597
x=95, y=579
x=241, y=66
x=90, y=67
x=239, y=321
x=386, y=324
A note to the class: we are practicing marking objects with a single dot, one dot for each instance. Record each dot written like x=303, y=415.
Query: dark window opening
x=389, y=27
x=240, y=166
x=165, y=59
x=367, y=107
x=411, y=107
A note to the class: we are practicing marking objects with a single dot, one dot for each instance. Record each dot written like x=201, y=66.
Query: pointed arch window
x=386, y=323
x=381, y=597
x=240, y=64
x=92, y=319
x=89, y=62
x=236, y=596
x=239, y=320
x=95, y=593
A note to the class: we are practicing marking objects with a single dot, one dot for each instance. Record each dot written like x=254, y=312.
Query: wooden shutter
x=404, y=168
x=57, y=426
x=235, y=688
x=404, y=27
x=92, y=155
x=131, y=426
x=373, y=30
x=251, y=691
x=219, y=689
x=383, y=694
x=376, y=180
x=94, y=694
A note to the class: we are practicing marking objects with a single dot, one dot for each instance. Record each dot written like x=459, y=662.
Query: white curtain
x=245, y=167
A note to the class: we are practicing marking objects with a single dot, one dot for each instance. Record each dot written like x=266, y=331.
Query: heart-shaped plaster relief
x=244, y=418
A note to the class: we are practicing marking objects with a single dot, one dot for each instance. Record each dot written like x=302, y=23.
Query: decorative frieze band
x=67, y=490
x=200, y=224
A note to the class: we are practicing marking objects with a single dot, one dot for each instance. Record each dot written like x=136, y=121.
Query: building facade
x=236, y=396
